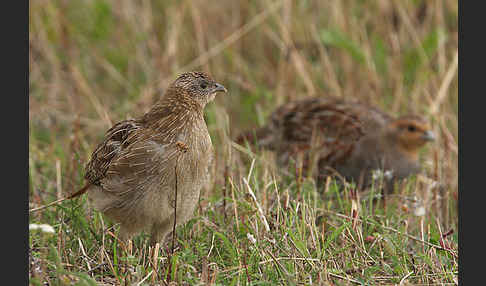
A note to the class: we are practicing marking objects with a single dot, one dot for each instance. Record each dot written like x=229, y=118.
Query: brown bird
x=352, y=139
x=135, y=175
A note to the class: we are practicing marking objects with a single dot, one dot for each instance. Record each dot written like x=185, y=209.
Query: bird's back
x=334, y=118
x=329, y=124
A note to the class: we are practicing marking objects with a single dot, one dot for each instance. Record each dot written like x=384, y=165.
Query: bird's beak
x=219, y=87
x=429, y=136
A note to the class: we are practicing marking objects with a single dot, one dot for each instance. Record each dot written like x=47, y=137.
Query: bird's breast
x=197, y=157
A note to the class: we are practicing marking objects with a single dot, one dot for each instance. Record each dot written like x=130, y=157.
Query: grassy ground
x=93, y=63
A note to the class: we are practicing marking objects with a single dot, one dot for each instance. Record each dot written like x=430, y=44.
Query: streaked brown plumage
x=350, y=138
x=133, y=173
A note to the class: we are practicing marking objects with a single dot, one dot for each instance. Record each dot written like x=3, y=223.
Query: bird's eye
x=203, y=85
x=412, y=128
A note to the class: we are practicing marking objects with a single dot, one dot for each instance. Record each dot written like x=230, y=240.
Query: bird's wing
x=115, y=140
x=142, y=158
x=329, y=124
x=140, y=165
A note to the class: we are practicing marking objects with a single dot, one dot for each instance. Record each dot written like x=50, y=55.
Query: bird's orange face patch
x=412, y=133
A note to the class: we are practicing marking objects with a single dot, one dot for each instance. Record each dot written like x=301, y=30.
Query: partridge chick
x=133, y=174
x=343, y=137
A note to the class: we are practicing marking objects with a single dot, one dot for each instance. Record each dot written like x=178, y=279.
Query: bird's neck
x=393, y=148
x=170, y=105
x=170, y=116
x=389, y=155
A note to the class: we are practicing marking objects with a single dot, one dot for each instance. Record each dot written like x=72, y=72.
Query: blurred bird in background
x=331, y=136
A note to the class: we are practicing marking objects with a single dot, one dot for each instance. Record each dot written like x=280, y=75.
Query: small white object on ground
x=42, y=227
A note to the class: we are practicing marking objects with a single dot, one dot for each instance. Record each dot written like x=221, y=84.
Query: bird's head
x=196, y=86
x=410, y=133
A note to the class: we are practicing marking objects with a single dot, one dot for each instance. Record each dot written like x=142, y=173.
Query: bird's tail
x=76, y=194
x=80, y=192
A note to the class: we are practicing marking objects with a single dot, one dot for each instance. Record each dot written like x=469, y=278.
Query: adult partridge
x=333, y=136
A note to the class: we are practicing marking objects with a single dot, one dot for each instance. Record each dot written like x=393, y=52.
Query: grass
x=93, y=63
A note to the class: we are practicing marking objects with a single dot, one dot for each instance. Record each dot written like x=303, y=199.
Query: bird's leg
x=159, y=231
x=125, y=237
